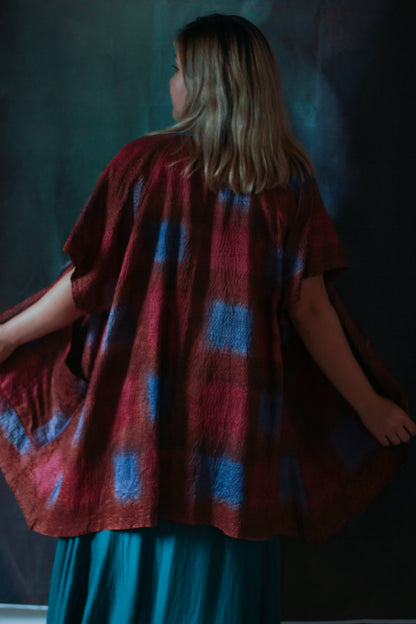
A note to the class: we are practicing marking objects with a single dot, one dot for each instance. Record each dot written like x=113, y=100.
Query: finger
x=403, y=434
x=410, y=426
x=395, y=438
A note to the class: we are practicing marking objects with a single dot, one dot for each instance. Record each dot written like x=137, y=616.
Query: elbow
x=299, y=314
x=313, y=300
x=304, y=313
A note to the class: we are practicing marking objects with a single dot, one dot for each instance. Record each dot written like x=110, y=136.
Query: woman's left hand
x=388, y=422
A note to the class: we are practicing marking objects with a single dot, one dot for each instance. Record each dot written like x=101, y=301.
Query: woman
x=163, y=447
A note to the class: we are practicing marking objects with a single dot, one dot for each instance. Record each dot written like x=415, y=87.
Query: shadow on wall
x=353, y=109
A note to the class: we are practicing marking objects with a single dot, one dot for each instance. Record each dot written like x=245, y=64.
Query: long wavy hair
x=234, y=119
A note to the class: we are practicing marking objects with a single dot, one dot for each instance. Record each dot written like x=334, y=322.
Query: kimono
x=183, y=392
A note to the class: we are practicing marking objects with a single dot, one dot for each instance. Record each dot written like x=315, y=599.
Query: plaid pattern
x=184, y=392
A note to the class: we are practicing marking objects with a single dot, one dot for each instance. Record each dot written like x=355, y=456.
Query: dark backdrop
x=81, y=79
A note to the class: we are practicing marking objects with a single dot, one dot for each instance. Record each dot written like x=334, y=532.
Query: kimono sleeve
x=97, y=245
x=312, y=245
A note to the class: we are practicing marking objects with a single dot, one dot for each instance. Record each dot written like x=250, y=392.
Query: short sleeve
x=97, y=245
x=312, y=244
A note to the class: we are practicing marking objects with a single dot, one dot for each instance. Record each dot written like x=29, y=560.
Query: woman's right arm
x=319, y=327
x=54, y=310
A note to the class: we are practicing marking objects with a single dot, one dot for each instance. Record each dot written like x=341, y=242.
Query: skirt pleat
x=167, y=574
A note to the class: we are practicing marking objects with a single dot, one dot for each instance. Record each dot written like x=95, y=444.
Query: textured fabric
x=184, y=392
x=167, y=574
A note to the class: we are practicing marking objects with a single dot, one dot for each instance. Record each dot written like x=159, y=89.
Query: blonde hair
x=234, y=119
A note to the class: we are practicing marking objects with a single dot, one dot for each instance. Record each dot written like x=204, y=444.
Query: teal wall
x=81, y=80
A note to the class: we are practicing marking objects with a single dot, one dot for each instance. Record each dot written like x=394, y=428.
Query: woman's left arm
x=318, y=325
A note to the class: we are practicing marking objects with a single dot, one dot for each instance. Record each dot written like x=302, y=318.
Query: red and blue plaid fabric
x=184, y=392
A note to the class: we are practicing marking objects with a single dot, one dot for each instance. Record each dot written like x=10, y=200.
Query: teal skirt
x=168, y=574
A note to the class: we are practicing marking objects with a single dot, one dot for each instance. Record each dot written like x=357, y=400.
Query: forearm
x=323, y=336
x=54, y=310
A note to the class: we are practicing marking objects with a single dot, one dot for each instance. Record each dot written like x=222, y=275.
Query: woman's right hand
x=7, y=346
x=387, y=421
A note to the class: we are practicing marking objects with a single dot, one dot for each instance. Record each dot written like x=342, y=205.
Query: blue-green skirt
x=168, y=574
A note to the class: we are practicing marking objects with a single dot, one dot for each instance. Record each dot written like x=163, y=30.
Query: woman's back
x=195, y=385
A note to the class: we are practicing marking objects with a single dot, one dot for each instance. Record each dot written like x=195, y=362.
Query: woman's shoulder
x=144, y=146
x=139, y=156
x=300, y=183
x=290, y=192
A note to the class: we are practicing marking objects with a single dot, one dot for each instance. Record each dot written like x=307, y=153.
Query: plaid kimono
x=183, y=392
